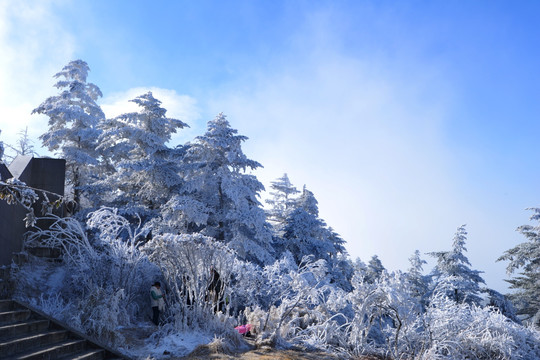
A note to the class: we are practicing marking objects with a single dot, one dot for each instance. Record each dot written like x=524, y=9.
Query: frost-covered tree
x=221, y=198
x=146, y=170
x=305, y=234
x=24, y=143
x=526, y=258
x=370, y=272
x=418, y=283
x=502, y=304
x=73, y=132
x=23, y=146
x=375, y=269
x=282, y=202
x=453, y=272
x=307, y=202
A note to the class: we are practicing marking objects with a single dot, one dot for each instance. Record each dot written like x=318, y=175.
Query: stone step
x=27, y=327
x=91, y=354
x=9, y=305
x=13, y=316
x=43, y=339
x=27, y=333
x=5, y=288
x=53, y=351
x=6, y=305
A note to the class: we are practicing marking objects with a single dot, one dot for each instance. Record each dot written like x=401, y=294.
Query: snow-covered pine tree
x=454, y=273
x=418, y=283
x=221, y=198
x=375, y=269
x=308, y=202
x=306, y=234
x=526, y=258
x=503, y=304
x=146, y=170
x=282, y=202
x=73, y=132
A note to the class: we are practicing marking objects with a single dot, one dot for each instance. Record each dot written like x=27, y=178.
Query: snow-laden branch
x=14, y=191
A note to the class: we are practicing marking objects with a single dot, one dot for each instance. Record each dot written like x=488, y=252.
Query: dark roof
x=4, y=172
x=19, y=164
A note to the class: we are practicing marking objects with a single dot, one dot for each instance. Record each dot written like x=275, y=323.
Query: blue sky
x=405, y=119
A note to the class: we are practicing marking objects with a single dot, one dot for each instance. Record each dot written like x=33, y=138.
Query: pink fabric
x=243, y=329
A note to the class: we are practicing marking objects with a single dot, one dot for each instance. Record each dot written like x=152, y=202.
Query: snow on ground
x=141, y=342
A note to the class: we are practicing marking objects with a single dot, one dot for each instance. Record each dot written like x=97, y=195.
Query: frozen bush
x=106, y=277
x=100, y=312
x=469, y=331
x=198, y=273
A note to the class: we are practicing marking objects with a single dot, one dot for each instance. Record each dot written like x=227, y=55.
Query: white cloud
x=367, y=134
x=359, y=139
x=33, y=47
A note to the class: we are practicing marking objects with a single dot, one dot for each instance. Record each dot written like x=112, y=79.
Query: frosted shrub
x=469, y=331
x=293, y=292
x=106, y=276
x=53, y=305
x=246, y=286
x=67, y=234
x=257, y=317
x=188, y=263
x=100, y=312
x=300, y=306
x=126, y=267
x=369, y=329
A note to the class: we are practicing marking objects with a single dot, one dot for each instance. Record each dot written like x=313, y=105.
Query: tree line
x=202, y=195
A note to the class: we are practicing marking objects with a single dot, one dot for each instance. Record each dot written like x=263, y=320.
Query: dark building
x=39, y=173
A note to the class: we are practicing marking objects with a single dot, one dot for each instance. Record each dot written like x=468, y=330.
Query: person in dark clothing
x=215, y=290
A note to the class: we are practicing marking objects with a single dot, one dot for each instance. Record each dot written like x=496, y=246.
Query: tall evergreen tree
x=306, y=234
x=454, y=273
x=145, y=170
x=282, y=202
x=307, y=202
x=73, y=126
x=221, y=198
x=374, y=270
x=418, y=283
x=526, y=258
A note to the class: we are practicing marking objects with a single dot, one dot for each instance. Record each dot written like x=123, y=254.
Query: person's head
x=157, y=284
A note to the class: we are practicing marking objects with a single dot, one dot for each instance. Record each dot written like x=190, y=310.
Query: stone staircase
x=30, y=334
x=5, y=283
